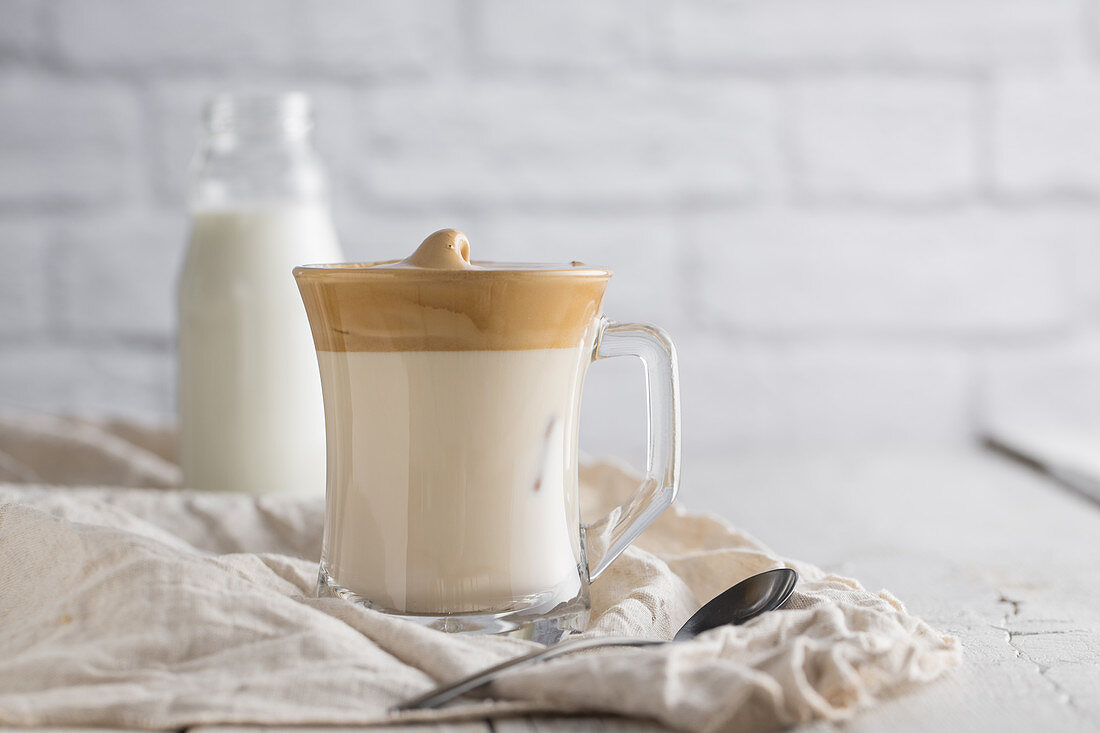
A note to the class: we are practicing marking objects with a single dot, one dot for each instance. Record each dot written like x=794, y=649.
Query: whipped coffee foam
x=447, y=249
x=440, y=300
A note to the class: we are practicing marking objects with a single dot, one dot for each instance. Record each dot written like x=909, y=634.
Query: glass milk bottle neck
x=257, y=150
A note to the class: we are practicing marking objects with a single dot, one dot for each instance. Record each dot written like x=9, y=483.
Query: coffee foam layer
x=438, y=300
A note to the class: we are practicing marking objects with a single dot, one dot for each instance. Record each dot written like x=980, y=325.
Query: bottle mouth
x=285, y=115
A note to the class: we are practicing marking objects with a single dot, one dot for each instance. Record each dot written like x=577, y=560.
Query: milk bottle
x=251, y=415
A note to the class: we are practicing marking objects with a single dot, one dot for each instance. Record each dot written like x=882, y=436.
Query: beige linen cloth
x=154, y=608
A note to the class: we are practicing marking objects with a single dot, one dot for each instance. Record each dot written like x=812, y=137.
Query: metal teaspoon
x=748, y=599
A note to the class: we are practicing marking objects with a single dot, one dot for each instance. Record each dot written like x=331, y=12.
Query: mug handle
x=662, y=476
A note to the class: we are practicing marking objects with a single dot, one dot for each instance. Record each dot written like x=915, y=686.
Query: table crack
x=1014, y=605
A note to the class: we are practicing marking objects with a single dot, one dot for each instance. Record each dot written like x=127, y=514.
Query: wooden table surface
x=976, y=544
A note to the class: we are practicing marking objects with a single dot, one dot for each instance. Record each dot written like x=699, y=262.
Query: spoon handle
x=445, y=693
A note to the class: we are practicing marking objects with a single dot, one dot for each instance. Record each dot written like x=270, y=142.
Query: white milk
x=251, y=415
x=455, y=485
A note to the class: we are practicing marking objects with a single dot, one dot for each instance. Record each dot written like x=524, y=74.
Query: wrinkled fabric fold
x=161, y=608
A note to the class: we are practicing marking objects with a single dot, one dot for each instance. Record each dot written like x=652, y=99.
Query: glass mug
x=452, y=398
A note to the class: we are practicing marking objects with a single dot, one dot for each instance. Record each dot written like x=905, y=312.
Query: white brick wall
x=862, y=220
x=142, y=37
x=872, y=34
x=760, y=394
x=1046, y=133
x=20, y=32
x=894, y=275
x=107, y=266
x=130, y=380
x=578, y=143
x=377, y=38
x=65, y=142
x=886, y=138
x=23, y=294
x=1043, y=383
x=526, y=35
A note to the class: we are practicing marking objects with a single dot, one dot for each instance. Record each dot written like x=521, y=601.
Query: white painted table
x=976, y=544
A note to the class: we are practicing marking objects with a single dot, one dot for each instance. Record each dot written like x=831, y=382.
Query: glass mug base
x=541, y=617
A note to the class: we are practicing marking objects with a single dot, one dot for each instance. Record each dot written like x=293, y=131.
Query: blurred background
x=862, y=221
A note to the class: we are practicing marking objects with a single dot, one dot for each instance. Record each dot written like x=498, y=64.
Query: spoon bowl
x=748, y=599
